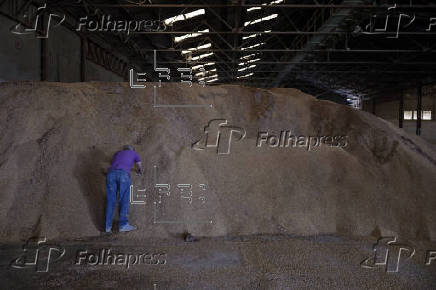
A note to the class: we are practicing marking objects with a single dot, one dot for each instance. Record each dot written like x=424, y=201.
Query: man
x=118, y=179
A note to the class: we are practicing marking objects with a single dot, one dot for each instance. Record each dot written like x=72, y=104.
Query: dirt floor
x=246, y=262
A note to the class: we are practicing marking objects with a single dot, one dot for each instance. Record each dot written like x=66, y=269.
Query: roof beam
x=276, y=6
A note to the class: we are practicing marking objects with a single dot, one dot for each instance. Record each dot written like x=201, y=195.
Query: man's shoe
x=127, y=228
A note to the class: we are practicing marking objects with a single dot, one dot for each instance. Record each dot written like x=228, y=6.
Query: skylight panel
x=266, y=18
x=205, y=72
x=275, y=2
x=186, y=16
x=207, y=45
x=250, y=36
x=195, y=67
x=248, y=67
x=189, y=35
x=253, y=46
x=249, y=61
x=201, y=56
x=247, y=56
x=253, y=8
x=245, y=76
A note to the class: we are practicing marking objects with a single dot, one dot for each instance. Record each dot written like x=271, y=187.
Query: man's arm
x=140, y=169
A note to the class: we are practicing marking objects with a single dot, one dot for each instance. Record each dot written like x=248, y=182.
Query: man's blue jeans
x=117, y=180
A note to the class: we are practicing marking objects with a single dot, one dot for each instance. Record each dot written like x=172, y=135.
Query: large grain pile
x=57, y=141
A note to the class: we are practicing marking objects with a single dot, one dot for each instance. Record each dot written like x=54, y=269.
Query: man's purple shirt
x=124, y=160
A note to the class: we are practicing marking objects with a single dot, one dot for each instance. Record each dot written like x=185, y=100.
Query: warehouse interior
x=324, y=48
x=81, y=78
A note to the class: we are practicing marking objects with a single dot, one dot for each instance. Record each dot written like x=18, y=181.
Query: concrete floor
x=249, y=262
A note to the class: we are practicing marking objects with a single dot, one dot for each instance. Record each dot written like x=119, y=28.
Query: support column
x=401, y=110
x=82, y=59
x=419, y=110
x=44, y=52
x=43, y=59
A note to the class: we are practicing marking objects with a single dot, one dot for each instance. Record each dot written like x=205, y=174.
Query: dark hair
x=128, y=147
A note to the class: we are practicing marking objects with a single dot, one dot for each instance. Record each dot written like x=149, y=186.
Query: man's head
x=128, y=147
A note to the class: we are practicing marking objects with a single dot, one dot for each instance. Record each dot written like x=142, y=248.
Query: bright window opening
x=413, y=115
